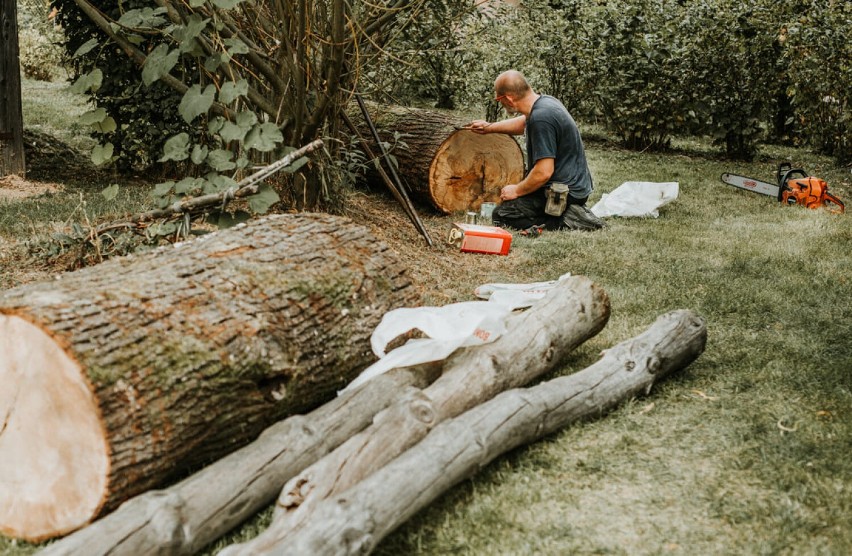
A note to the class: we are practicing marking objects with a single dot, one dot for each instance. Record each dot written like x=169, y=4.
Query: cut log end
x=55, y=464
x=470, y=169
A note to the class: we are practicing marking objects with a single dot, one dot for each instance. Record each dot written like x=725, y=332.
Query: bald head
x=513, y=83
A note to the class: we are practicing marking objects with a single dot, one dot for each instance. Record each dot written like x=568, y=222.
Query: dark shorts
x=527, y=211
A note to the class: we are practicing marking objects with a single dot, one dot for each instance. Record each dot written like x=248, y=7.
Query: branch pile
x=360, y=465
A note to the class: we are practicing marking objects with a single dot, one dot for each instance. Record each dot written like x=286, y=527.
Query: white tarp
x=448, y=328
x=636, y=198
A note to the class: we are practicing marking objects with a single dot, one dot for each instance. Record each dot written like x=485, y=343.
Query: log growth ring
x=55, y=463
x=470, y=169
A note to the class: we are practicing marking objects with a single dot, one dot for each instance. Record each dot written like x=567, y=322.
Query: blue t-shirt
x=552, y=133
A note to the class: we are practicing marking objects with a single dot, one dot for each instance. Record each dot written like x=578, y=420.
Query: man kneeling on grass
x=553, y=194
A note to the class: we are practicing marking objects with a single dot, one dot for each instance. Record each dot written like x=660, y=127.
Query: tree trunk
x=119, y=377
x=355, y=521
x=445, y=167
x=190, y=515
x=11, y=117
x=534, y=343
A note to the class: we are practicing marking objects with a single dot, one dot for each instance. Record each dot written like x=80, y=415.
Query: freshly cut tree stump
x=120, y=377
x=448, y=168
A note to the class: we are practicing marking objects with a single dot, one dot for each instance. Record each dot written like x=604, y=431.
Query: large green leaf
x=159, y=63
x=107, y=125
x=231, y=91
x=232, y=132
x=186, y=34
x=261, y=202
x=235, y=46
x=217, y=183
x=102, y=154
x=85, y=48
x=246, y=119
x=145, y=17
x=189, y=186
x=110, y=192
x=221, y=160
x=93, y=116
x=88, y=82
x=176, y=148
x=263, y=137
x=199, y=154
x=163, y=188
x=196, y=102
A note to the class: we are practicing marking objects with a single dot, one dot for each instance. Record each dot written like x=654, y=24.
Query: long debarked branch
x=354, y=521
x=246, y=187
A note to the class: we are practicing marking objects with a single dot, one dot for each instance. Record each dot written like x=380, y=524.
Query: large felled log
x=186, y=517
x=119, y=377
x=448, y=168
x=355, y=521
x=534, y=343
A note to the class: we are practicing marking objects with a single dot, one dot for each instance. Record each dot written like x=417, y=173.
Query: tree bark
x=445, y=167
x=356, y=520
x=185, y=518
x=11, y=116
x=535, y=342
x=120, y=377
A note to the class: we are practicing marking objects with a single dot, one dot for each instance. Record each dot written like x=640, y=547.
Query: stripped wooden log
x=354, y=521
x=535, y=342
x=123, y=376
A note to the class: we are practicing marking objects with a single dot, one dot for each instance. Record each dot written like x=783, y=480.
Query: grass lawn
x=745, y=452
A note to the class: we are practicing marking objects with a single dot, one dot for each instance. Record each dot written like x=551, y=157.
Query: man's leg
x=521, y=213
x=578, y=217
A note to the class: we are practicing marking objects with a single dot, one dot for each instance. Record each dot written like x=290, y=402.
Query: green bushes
x=817, y=54
x=146, y=116
x=740, y=73
x=649, y=70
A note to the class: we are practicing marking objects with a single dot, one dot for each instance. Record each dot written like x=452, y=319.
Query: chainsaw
x=794, y=187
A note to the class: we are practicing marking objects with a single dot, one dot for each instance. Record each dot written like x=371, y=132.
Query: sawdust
x=15, y=188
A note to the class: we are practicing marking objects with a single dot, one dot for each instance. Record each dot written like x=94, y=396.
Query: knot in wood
x=423, y=411
x=629, y=365
x=653, y=365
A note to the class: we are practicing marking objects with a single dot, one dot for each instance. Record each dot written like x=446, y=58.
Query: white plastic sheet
x=449, y=327
x=636, y=198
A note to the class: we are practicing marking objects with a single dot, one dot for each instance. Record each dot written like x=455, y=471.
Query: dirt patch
x=15, y=188
x=445, y=274
x=49, y=158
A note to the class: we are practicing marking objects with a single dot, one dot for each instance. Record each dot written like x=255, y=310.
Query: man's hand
x=478, y=126
x=509, y=192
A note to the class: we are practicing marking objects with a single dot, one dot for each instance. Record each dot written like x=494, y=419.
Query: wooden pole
x=403, y=190
x=11, y=115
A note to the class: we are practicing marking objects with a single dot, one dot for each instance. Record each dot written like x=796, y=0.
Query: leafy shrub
x=732, y=58
x=145, y=116
x=41, y=54
x=819, y=75
x=636, y=71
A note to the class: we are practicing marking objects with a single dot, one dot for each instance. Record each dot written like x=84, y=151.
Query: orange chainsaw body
x=810, y=192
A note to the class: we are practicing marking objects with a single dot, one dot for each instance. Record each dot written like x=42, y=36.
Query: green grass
x=49, y=107
x=744, y=452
